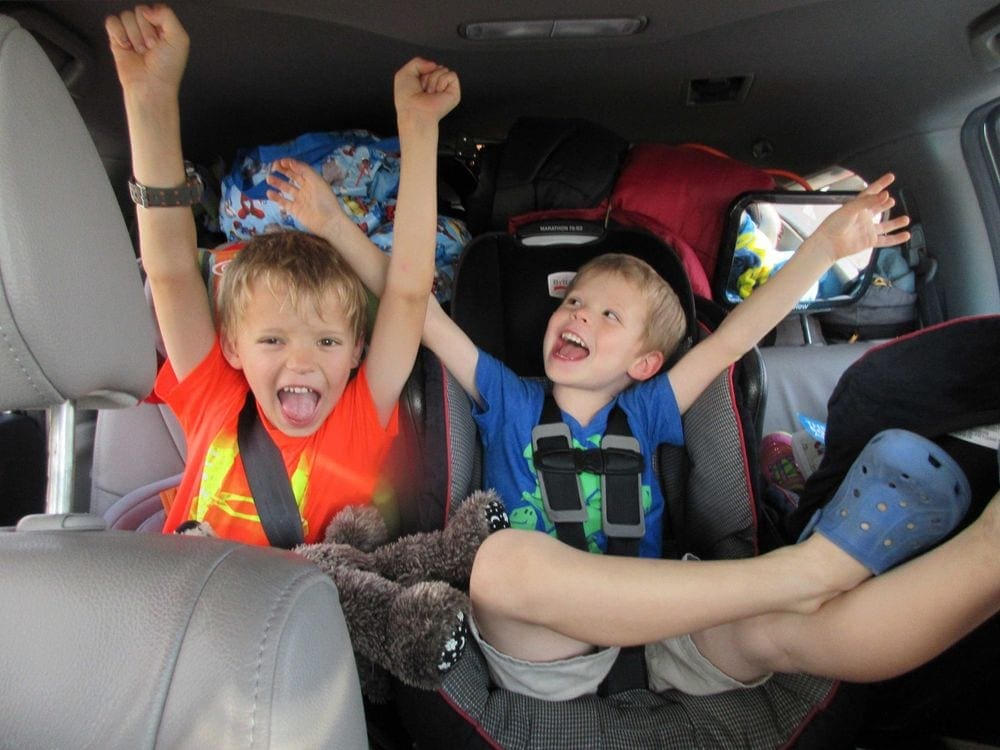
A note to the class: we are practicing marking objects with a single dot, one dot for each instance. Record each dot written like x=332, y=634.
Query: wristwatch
x=186, y=194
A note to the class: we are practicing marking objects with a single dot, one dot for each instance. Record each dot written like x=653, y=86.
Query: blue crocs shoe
x=902, y=495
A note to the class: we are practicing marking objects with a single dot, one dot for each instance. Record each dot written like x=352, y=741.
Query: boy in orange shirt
x=291, y=312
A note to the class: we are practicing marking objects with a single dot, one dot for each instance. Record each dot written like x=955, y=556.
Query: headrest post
x=61, y=431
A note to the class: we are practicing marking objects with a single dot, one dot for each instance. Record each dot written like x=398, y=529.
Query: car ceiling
x=827, y=78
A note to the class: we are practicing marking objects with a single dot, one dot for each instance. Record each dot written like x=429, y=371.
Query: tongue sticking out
x=566, y=349
x=299, y=405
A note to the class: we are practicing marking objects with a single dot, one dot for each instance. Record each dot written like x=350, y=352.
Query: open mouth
x=570, y=347
x=298, y=404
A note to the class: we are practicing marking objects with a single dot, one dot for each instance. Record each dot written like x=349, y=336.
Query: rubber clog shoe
x=902, y=495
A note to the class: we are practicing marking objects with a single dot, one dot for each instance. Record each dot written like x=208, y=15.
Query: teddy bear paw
x=477, y=517
x=428, y=633
x=360, y=526
x=334, y=557
x=195, y=528
x=454, y=646
x=496, y=516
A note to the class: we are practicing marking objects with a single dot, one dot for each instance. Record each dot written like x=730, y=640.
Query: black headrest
x=501, y=296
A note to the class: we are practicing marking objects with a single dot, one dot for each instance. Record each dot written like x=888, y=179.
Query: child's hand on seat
x=150, y=48
x=425, y=90
x=855, y=226
x=302, y=192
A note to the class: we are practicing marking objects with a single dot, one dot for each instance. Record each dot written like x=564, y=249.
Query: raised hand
x=150, y=48
x=302, y=192
x=855, y=225
x=424, y=89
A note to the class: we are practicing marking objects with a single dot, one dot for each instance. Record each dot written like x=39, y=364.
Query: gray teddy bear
x=404, y=601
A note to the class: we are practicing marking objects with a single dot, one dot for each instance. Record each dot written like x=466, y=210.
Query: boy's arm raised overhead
x=150, y=49
x=848, y=230
x=424, y=94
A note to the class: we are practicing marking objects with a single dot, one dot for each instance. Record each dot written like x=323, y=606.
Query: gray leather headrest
x=73, y=320
x=123, y=640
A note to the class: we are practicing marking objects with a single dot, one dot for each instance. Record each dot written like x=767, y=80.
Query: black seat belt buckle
x=560, y=505
x=624, y=518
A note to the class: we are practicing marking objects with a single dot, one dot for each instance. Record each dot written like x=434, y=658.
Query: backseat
x=801, y=378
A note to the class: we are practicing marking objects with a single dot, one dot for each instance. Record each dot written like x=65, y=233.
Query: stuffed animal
x=404, y=601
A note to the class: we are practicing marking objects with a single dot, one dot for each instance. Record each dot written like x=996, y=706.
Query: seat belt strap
x=621, y=490
x=555, y=464
x=674, y=468
x=268, y=480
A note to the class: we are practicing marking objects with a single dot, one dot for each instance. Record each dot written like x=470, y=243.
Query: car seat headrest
x=73, y=319
x=502, y=296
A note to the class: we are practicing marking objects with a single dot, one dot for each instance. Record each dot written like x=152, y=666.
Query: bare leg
x=886, y=626
x=538, y=599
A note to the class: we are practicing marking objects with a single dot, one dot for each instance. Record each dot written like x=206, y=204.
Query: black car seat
x=112, y=639
x=501, y=299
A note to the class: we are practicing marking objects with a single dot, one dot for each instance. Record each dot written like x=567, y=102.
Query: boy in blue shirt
x=550, y=618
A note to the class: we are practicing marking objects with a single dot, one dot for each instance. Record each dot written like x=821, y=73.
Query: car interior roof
x=818, y=80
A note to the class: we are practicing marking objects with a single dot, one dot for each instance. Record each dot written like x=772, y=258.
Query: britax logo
x=559, y=283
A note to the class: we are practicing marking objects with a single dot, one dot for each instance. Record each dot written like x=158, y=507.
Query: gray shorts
x=672, y=663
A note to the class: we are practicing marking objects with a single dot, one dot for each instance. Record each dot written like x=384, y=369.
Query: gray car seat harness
x=620, y=463
x=268, y=480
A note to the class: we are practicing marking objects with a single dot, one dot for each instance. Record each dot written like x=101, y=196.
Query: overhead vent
x=717, y=90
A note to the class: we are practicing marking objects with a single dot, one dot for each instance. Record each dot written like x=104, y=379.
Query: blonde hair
x=306, y=266
x=666, y=322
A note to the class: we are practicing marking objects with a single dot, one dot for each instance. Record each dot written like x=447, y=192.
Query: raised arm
x=150, y=49
x=298, y=189
x=848, y=230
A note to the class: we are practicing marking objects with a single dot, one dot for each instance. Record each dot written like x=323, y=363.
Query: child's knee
x=494, y=583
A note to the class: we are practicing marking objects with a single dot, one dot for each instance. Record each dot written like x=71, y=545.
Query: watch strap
x=186, y=194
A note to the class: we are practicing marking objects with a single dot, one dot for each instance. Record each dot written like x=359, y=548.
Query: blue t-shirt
x=511, y=408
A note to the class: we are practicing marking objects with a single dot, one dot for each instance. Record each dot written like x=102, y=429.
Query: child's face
x=595, y=338
x=296, y=363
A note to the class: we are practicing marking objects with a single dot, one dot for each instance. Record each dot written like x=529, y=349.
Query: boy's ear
x=359, y=347
x=229, y=352
x=646, y=366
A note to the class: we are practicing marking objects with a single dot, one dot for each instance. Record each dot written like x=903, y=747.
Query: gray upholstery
x=123, y=640
x=73, y=319
x=801, y=379
x=111, y=639
x=133, y=448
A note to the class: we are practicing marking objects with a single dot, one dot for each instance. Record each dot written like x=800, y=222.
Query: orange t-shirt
x=336, y=466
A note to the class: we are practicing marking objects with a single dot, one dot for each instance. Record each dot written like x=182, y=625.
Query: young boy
x=292, y=314
x=811, y=607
